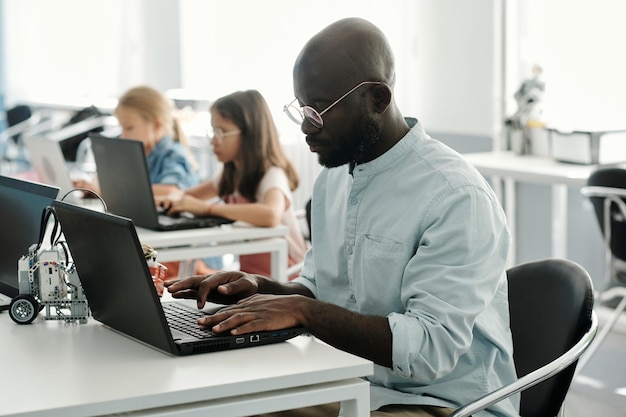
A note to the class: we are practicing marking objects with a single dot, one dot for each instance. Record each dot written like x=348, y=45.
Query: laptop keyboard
x=169, y=220
x=210, y=221
x=185, y=319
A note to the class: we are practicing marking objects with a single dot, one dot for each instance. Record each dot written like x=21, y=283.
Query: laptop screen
x=48, y=162
x=21, y=207
x=114, y=274
x=124, y=178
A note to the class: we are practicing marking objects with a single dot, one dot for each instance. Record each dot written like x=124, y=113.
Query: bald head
x=350, y=57
x=348, y=51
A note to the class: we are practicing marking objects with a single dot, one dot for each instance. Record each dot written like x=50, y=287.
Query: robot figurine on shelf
x=48, y=280
x=529, y=98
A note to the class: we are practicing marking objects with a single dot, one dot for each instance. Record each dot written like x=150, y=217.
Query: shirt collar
x=165, y=142
x=391, y=157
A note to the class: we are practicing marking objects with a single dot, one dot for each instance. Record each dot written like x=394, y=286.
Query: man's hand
x=226, y=287
x=257, y=313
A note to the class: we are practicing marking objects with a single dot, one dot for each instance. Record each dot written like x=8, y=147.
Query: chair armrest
x=294, y=269
x=534, y=377
x=19, y=127
x=611, y=195
x=601, y=191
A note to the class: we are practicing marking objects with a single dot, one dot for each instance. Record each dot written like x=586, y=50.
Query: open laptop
x=21, y=206
x=48, y=162
x=121, y=294
x=126, y=188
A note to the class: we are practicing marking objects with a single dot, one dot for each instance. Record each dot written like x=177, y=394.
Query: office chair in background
x=606, y=189
x=18, y=120
x=552, y=323
x=16, y=115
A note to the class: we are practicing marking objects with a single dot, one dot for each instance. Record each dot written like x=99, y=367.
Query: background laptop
x=21, y=205
x=116, y=280
x=48, y=162
x=126, y=188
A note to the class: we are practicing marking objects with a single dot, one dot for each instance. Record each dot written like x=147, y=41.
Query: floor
x=599, y=389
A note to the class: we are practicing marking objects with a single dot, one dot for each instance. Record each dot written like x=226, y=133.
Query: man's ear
x=381, y=98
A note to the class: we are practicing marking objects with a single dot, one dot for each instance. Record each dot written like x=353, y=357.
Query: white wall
x=459, y=65
x=579, y=44
x=446, y=51
x=243, y=44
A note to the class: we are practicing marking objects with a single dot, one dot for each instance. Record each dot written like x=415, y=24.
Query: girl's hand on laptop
x=185, y=202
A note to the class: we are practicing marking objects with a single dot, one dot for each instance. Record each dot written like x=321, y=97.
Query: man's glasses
x=218, y=134
x=298, y=114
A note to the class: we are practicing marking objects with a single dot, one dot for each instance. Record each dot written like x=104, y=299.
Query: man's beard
x=353, y=146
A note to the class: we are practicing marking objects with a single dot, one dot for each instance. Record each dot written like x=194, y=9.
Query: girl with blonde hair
x=145, y=114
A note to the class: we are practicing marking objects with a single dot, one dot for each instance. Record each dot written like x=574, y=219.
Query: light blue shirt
x=168, y=164
x=417, y=235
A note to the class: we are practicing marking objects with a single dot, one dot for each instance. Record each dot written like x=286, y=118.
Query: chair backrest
x=616, y=178
x=17, y=115
x=550, y=303
x=307, y=209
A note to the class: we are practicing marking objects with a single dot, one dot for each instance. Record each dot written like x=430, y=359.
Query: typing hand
x=173, y=204
x=163, y=203
x=225, y=287
x=257, y=313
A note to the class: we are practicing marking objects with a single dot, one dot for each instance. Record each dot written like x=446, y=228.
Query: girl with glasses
x=256, y=181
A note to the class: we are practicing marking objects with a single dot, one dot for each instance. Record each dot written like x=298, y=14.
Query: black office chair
x=16, y=115
x=606, y=189
x=552, y=323
x=19, y=120
x=307, y=215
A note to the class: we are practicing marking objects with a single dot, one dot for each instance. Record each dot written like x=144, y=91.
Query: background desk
x=507, y=168
x=55, y=369
x=237, y=238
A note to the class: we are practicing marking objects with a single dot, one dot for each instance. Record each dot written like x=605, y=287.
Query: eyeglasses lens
x=313, y=116
x=217, y=134
x=294, y=114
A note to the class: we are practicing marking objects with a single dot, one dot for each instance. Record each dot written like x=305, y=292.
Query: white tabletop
x=530, y=168
x=234, y=232
x=55, y=369
x=514, y=168
x=238, y=238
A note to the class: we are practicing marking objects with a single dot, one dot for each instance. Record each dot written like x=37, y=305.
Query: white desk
x=510, y=168
x=236, y=238
x=53, y=369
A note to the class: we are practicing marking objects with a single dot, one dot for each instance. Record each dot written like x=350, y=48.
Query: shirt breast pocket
x=379, y=268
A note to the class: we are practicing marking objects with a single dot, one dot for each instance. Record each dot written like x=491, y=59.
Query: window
x=579, y=45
